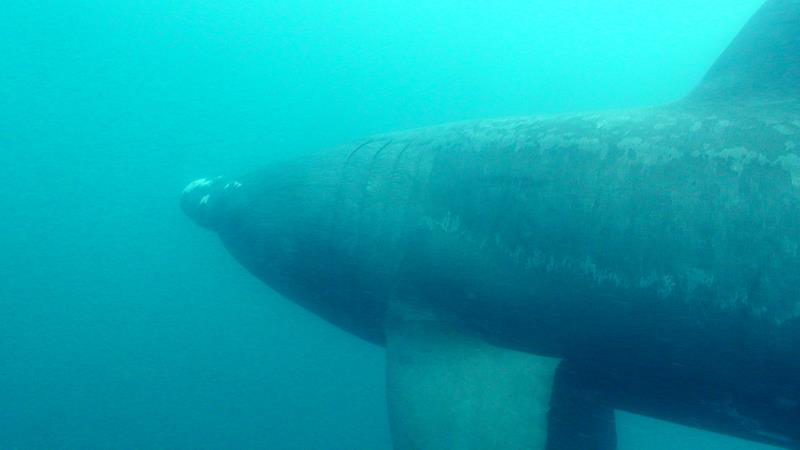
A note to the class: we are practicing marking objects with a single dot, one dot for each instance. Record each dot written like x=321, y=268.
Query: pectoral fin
x=581, y=418
x=449, y=390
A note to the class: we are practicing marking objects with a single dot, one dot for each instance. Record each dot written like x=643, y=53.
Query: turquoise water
x=123, y=325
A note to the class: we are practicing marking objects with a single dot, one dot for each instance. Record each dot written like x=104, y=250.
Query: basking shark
x=528, y=276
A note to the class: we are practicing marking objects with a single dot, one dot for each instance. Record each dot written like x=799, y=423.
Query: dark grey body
x=657, y=251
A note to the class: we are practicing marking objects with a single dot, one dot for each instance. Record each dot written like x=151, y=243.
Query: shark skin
x=548, y=270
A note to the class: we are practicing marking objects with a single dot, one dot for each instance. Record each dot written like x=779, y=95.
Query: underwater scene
x=310, y=225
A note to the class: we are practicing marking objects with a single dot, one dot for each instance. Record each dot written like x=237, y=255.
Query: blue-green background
x=122, y=325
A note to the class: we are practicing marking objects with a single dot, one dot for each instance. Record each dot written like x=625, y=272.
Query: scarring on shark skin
x=527, y=276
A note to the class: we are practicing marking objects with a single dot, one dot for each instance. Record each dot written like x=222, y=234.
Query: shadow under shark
x=528, y=276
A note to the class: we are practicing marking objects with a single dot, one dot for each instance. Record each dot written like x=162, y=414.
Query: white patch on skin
x=196, y=184
x=783, y=129
x=593, y=145
x=615, y=121
x=738, y=157
x=599, y=275
x=696, y=277
x=791, y=164
x=631, y=143
x=646, y=152
x=663, y=284
x=738, y=299
x=449, y=224
x=204, y=199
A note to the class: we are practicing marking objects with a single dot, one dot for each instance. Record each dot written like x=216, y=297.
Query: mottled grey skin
x=656, y=250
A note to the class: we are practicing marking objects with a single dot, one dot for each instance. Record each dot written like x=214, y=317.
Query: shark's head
x=201, y=200
x=261, y=220
x=281, y=223
x=255, y=219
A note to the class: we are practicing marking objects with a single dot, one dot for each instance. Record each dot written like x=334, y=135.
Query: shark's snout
x=200, y=200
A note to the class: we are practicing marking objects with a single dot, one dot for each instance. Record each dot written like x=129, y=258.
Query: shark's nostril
x=198, y=183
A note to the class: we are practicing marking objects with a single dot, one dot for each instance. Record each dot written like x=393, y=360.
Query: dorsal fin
x=762, y=62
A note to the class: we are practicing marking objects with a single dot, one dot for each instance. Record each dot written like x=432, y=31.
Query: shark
x=529, y=276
